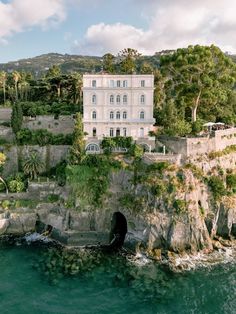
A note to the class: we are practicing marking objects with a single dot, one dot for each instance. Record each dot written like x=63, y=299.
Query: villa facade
x=118, y=105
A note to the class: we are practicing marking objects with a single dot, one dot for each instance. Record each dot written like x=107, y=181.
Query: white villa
x=118, y=105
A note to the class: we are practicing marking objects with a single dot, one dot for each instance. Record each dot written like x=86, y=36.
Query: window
x=142, y=99
x=111, y=115
x=111, y=132
x=94, y=132
x=142, y=83
x=125, y=99
x=94, y=83
x=124, y=132
x=112, y=99
x=94, y=99
x=125, y=83
x=92, y=148
x=94, y=115
x=142, y=115
x=118, y=132
x=112, y=83
x=118, y=115
x=124, y=115
x=141, y=132
x=118, y=99
x=118, y=83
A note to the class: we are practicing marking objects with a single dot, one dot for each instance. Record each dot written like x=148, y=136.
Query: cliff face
x=172, y=209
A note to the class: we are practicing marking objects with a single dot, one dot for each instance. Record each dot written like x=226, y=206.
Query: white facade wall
x=130, y=86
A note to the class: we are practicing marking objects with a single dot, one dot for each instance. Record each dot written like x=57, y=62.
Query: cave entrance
x=118, y=230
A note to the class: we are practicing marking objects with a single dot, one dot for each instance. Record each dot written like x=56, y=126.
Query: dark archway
x=117, y=132
x=94, y=132
x=118, y=230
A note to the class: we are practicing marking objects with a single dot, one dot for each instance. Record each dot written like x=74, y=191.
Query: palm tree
x=3, y=79
x=16, y=78
x=77, y=83
x=2, y=162
x=33, y=165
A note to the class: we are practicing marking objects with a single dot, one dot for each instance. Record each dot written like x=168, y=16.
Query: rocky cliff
x=166, y=207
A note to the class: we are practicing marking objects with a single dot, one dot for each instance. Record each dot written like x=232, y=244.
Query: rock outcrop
x=182, y=217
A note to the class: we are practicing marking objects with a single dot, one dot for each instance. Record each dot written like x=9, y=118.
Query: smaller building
x=118, y=105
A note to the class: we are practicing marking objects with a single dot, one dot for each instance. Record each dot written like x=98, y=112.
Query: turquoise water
x=111, y=286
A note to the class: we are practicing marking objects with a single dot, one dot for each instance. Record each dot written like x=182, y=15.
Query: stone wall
x=224, y=138
x=177, y=145
x=150, y=158
x=5, y=114
x=50, y=155
x=192, y=147
x=64, y=124
x=6, y=133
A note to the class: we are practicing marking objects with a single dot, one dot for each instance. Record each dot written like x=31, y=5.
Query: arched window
x=124, y=115
x=94, y=115
x=111, y=115
x=125, y=99
x=92, y=147
x=111, y=132
x=118, y=99
x=124, y=132
x=94, y=132
x=142, y=115
x=111, y=99
x=94, y=99
x=142, y=99
x=118, y=115
x=118, y=132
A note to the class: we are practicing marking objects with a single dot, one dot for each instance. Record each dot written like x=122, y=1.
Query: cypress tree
x=78, y=148
x=16, y=117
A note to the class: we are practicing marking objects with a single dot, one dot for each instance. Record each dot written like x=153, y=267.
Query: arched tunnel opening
x=118, y=230
x=42, y=228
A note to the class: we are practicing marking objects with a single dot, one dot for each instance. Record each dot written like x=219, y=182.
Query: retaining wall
x=194, y=146
x=64, y=124
x=51, y=155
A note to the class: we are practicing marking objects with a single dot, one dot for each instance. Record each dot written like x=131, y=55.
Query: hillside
x=68, y=63
x=72, y=63
x=40, y=64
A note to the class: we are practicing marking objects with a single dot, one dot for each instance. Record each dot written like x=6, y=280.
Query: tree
x=16, y=78
x=199, y=79
x=54, y=71
x=16, y=117
x=33, y=165
x=75, y=85
x=146, y=68
x=108, y=63
x=3, y=79
x=77, y=152
x=2, y=162
x=128, y=57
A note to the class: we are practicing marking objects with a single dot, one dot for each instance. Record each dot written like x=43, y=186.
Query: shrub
x=158, y=166
x=6, y=204
x=217, y=187
x=180, y=206
x=158, y=189
x=231, y=181
x=16, y=186
x=52, y=198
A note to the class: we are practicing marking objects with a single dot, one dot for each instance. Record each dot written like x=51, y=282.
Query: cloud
x=20, y=15
x=172, y=24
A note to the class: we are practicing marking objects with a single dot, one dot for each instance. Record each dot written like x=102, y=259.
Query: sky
x=30, y=28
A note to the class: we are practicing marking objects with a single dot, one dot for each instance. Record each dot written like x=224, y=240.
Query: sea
x=36, y=278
